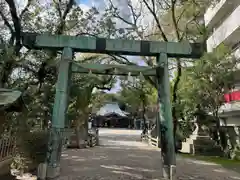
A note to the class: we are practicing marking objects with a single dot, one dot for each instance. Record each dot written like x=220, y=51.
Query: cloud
x=145, y=20
x=84, y=7
x=20, y=4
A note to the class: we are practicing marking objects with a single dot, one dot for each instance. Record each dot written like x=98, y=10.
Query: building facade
x=223, y=23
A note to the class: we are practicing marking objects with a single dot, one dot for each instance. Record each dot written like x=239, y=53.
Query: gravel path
x=122, y=156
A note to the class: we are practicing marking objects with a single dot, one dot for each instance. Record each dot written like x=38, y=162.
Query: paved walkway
x=122, y=156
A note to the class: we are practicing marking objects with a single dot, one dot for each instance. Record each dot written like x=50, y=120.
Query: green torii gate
x=70, y=44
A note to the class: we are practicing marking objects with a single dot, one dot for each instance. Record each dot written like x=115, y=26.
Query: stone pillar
x=165, y=119
x=59, y=115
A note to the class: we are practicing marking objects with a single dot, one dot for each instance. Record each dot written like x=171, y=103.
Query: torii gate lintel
x=92, y=44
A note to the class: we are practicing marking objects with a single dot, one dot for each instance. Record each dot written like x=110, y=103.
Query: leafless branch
x=181, y=15
x=116, y=14
x=16, y=24
x=58, y=8
x=188, y=23
x=135, y=16
x=25, y=9
x=62, y=23
x=175, y=25
x=156, y=20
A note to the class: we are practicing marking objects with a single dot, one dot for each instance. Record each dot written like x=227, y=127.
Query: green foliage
x=82, y=88
x=137, y=94
x=19, y=163
x=101, y=97
x=34, y=146
x=31, y=149
x=26, y=71
x=204, y=83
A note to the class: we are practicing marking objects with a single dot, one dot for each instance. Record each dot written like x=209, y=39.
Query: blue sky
x=83, y=1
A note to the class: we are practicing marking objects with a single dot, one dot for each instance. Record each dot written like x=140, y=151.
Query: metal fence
x=7, y=148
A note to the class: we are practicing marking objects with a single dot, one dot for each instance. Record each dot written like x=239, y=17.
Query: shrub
x=34, y=146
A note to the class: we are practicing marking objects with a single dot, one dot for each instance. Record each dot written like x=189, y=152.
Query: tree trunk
x=79, y=135
x=81, y=130
x=175, y=98
x=143, y=114
x=218, y=140
x=85, y=130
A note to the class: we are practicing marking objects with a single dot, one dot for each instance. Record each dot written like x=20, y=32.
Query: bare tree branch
x=62, y=23
x=181, y=15
x=175, y=25
x=156, y=20
x=116, y=14
x=16, y=24
x=58, y=8
x=134, y=14
x=188, y=23
x=25, y=9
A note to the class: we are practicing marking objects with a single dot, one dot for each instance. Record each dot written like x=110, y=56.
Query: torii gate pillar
x=165, y=123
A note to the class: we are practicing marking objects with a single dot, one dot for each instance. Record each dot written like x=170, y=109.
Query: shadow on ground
x=7, y=177
x=109, y=162
x=122, y=156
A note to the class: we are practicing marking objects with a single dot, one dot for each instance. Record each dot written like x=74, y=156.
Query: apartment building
x=223, y=22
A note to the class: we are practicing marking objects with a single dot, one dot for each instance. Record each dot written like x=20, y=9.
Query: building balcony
x=232, y=96
x=219, y=11
x=229, y=114
x=228, y=32
x=231, y=107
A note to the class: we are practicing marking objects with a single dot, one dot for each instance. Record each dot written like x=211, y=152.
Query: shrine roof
x=111, y=108
x=9, y=100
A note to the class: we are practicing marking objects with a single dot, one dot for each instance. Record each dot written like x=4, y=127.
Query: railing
x=151, y=140
x=7, y=148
